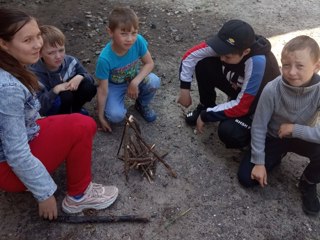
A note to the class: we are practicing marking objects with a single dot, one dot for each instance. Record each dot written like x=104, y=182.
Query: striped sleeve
x=191, y=58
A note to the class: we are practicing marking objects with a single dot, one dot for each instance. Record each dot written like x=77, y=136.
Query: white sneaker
x=96, y=196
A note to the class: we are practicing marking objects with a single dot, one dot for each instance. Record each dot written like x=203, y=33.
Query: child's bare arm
x=148, y=64
x=102, y=93
x=185, y=98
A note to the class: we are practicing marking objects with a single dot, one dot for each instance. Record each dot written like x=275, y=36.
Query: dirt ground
x=205, y=201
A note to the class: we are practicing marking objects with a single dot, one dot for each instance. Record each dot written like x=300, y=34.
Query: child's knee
x=114, y=116
x=233, y=137
x=87, y=89
x=153, y=81
x=226, y=135
x=66, y=97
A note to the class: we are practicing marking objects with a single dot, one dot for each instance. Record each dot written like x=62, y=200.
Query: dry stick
x=145, y=159
x=135, y=145
x=101, y=219
x=171, y=171
x=137, y=126
x=145, y=173
x=152, y=167
x=126, y=154
x=134, y=165
x=123, y=133
x=146, y=150
x=171, y=221
x=131, y=152
x=149, y=148
x=135, y=159
x=133, y=148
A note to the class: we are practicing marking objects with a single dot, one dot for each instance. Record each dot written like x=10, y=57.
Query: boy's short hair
x=233, y=38
x=52, y=35
x=300, y=43
x=123, y=17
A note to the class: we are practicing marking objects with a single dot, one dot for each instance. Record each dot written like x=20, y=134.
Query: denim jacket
x=18, y=114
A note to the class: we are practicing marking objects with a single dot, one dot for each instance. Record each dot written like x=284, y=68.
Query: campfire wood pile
x=137, y=154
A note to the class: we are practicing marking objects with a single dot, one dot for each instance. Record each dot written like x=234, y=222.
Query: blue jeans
x=115, y=110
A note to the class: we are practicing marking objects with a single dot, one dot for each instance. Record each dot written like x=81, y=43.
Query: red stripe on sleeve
x=242, y=108
x=194, y=49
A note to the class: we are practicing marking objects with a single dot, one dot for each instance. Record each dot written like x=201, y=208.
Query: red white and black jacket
x=249, y=76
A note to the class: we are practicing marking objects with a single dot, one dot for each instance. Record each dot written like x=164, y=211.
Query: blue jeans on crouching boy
x=115, y=110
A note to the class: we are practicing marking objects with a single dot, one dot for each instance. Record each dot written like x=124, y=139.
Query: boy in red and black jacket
x=239, y=63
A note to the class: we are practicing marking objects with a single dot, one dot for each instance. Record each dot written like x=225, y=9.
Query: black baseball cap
x=234, y=35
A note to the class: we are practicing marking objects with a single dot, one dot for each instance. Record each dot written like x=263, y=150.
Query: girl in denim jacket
x=31, y=148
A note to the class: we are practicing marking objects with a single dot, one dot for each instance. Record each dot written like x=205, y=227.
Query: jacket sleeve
x=307, y=133
x=253, y=76
x=46, y=99
x=190, y=60
x=16, y=149
x=259, y=127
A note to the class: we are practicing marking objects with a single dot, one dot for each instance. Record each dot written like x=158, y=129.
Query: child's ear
x=317, y=67
x=109, y=31
x=246, y=51
x=3, y=44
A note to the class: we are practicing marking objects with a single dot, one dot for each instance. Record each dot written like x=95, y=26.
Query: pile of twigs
x=137, y=154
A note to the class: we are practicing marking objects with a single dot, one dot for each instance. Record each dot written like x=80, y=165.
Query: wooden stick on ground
x=171, y=171
x=137, y=154
x=101, y=219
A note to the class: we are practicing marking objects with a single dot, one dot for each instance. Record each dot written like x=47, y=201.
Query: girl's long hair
x=11, y=21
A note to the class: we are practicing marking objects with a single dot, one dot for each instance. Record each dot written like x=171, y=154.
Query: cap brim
x=219, y=46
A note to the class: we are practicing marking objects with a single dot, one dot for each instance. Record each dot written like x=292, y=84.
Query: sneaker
x=310, y=201
x=96, y=196
x=146, y=112
x=191, y=118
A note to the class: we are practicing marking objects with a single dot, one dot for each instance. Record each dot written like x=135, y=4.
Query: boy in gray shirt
x=282, y=122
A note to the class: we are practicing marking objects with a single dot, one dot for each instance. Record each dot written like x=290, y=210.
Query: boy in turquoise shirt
x=119, y=73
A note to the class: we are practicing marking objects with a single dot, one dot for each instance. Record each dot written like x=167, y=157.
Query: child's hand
x=74, y=83
x=259, y=173
x=285, y=130
x=48, y=208
x=200, y=125
x=133, y=90
x=60, y=88
x=184, y=98
x=105, y=125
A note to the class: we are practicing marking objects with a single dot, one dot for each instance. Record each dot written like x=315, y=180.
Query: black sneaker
x=191, y=118
x=310, y=201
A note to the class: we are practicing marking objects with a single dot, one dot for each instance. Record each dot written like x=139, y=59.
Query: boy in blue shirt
x=119, y=74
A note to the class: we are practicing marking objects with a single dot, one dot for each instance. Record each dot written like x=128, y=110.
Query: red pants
x=61, y=138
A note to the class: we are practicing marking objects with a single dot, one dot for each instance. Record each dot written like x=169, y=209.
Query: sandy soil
x=205, y=201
